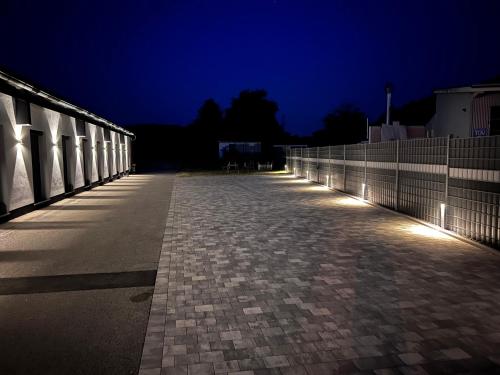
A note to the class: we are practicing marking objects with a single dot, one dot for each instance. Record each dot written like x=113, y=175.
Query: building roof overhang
x=15, y=87
x=473, y=89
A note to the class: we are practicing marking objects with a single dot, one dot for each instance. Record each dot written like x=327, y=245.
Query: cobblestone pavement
x=274, y=275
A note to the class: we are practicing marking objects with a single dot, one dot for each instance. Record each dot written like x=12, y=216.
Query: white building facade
x=470, y=111
x=50, y=149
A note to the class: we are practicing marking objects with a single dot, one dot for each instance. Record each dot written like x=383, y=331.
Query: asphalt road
x=76, y=279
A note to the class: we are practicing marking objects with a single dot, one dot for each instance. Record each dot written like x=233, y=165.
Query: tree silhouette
x=209, y=119
x=345, y=125
x=252, y=117
x=205, y=132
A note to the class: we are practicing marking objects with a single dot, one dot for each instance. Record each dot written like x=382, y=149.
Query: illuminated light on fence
x=363, y=190
x=315, y=187
x=307, y=175
x=301, y=181
x=327, y=180
x=350, y=202
x=425, y=231
x=286, y=167
x=443, y=214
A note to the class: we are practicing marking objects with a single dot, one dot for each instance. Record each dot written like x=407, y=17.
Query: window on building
x=80, y=128
x=495, y=120
x=107, y=135
x=22, y=109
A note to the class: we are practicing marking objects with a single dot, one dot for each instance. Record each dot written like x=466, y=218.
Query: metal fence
x=451, y=182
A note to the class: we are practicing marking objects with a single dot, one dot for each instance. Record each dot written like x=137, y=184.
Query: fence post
x=289, y=163
x=364, y=180
x=317, y=164
x=328, y=182
x=445, y=205
x=344, y=171
x=396, y=204
x=301, y=160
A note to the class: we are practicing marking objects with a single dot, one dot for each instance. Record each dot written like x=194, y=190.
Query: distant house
x=470, y=111
x=241, y=148
x=395, y=131
x=406, y=122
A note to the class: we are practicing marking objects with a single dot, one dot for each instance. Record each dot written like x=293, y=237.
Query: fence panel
x=381, y=173
x=474, y=188
x=324, y=165
x=454, y=183
x=355, y=168
x=337, y=167
x=422, y=178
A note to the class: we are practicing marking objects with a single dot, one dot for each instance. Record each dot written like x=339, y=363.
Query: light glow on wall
x=18, y=130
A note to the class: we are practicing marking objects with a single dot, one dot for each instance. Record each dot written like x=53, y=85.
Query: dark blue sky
x=157, y=61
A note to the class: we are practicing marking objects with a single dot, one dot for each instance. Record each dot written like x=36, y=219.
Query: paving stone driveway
x=273, y=275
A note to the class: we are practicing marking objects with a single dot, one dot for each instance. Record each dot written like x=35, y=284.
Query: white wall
x=453, y=115
x=92, y=136
x=16, y=182
x=16, y=169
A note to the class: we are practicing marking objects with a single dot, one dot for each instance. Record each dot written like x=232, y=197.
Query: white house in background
x=469, y=111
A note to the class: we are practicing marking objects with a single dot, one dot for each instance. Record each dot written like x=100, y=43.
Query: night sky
x=157, y=61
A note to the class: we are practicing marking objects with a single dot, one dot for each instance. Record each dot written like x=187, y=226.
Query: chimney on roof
x=388, y=91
